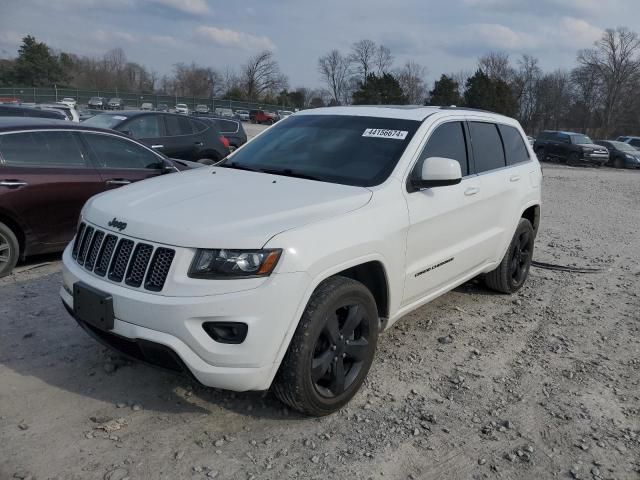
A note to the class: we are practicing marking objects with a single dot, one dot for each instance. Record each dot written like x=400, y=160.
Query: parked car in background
x=261, y=116
x=633, y=141
x=242, y=115
x=275, y=270
x=175, y=135
x=202, y=109
x=146, y=106
x=162, y=107
x=48, y=170
x=68, y=101
x=224, y=112
x=231, y=129
x=115, y=103
x=182, y=108
x=572, y=148
x=7, y=110
x=70, y=112
x=97, y=103
x=621, y=155
x=284, y=114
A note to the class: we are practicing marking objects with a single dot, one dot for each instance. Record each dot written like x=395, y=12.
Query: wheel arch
x=532, y=213
x=17, y=230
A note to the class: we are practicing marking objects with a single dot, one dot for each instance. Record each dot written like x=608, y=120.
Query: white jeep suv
x=279, y=266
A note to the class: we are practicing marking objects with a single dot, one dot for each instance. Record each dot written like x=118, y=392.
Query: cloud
x=231, y=38
x=195, y=7
x=109, y=37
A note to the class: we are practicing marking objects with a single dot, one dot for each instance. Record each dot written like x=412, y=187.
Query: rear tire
x=618, y=163
x=331, y=350
x=513, y=270
x=9, y=250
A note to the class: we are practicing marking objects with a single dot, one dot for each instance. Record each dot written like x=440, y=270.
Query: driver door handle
x=13, y=183
x=118, y=181
x=514, y=178
x=157, y=146
x=471, y=191
x=198, y=144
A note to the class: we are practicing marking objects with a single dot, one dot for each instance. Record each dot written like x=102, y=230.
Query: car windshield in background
x=104, y=120
x=580, y=139
x=351, y=150
x=624, y=147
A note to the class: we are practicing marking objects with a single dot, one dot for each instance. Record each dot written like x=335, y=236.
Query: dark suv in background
x=177, y=136
x=572, y=148
x=232, y=130
x=49, y=169
x=19, y=111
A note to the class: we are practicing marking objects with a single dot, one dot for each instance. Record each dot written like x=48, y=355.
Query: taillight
x=224, y=141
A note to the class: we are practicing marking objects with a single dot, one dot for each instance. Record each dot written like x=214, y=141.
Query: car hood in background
x=220, y=207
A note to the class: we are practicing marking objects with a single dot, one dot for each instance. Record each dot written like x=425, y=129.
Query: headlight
x=223, y=263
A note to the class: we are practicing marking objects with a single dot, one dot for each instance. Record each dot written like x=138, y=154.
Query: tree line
x=597, y=96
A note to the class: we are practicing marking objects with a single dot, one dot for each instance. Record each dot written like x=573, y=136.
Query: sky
x=443, y=35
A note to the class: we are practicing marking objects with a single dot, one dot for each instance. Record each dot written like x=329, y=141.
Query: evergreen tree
x=36, y=66
x=379, y=90
x=487, y=94
x=445, y=92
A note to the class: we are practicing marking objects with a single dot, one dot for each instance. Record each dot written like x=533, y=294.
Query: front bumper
x=269, y=310
x=594, y=159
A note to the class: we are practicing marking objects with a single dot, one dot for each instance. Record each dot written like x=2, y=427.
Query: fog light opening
x=226, y=332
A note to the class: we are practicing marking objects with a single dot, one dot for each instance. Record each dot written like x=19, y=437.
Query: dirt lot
x=538, y=385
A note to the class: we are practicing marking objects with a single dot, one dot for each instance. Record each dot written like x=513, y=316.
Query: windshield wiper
x=287, y=172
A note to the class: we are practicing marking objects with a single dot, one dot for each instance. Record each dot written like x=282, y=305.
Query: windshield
x=104, y=120
x=580, y=139
x=624, y=147
x=350, y=150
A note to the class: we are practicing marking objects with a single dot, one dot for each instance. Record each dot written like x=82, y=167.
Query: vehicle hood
x=218, y=207
x=593, y=146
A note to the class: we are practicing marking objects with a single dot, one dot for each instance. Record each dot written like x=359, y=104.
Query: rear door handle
x=118, y=181
x=13, y=183
x=157, y=146
x=198, y=144
x=471, y=191
x=514, y=178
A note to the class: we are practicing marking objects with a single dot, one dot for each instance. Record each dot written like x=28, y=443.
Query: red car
x=260, y=116
x=48, y=170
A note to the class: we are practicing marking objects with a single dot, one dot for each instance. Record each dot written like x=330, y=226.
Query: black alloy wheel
x=521, y=257
x=341, y=350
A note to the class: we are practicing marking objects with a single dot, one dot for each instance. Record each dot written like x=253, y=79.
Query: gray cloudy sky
x=443, y=35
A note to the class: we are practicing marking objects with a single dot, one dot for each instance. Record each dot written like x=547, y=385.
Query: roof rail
x=454, y=107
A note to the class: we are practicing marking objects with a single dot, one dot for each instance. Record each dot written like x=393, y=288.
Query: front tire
x=9, y=250
x=573, y=159
x=513, y=270
x=332, y=348
x=618, y=163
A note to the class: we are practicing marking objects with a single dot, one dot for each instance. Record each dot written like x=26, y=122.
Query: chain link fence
x=131, y=100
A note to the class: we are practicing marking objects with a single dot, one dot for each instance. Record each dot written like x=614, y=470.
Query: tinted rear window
x=178, y=125
x=514, y=147
x=104, y=120
x=227, y=126
x=342, y=149
x=487, y=146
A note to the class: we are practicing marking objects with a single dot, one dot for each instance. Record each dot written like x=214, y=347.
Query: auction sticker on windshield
x=383, y=133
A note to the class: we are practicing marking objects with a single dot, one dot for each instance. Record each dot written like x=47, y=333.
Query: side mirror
x=438, y=172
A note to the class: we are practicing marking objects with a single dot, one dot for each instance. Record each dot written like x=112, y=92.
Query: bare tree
x=525, y=86
x=554, y=94
x=496, y=66
x=261, y=75
x=587, y=96
x=335, y=70
x=411, y=79
x=461, y=77
x=383, y=60
x=615, y=59
x=194, y=80
x=363, y=57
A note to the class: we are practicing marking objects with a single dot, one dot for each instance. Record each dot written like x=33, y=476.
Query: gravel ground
x=542, y=384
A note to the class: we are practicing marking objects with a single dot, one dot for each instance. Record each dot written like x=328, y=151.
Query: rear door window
x=198, y=126
x=488, y=153
x=514, y=146
x=145, y=126
x=112, y=152
x=178, y=125
x=42, y=149
x=448, y=141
